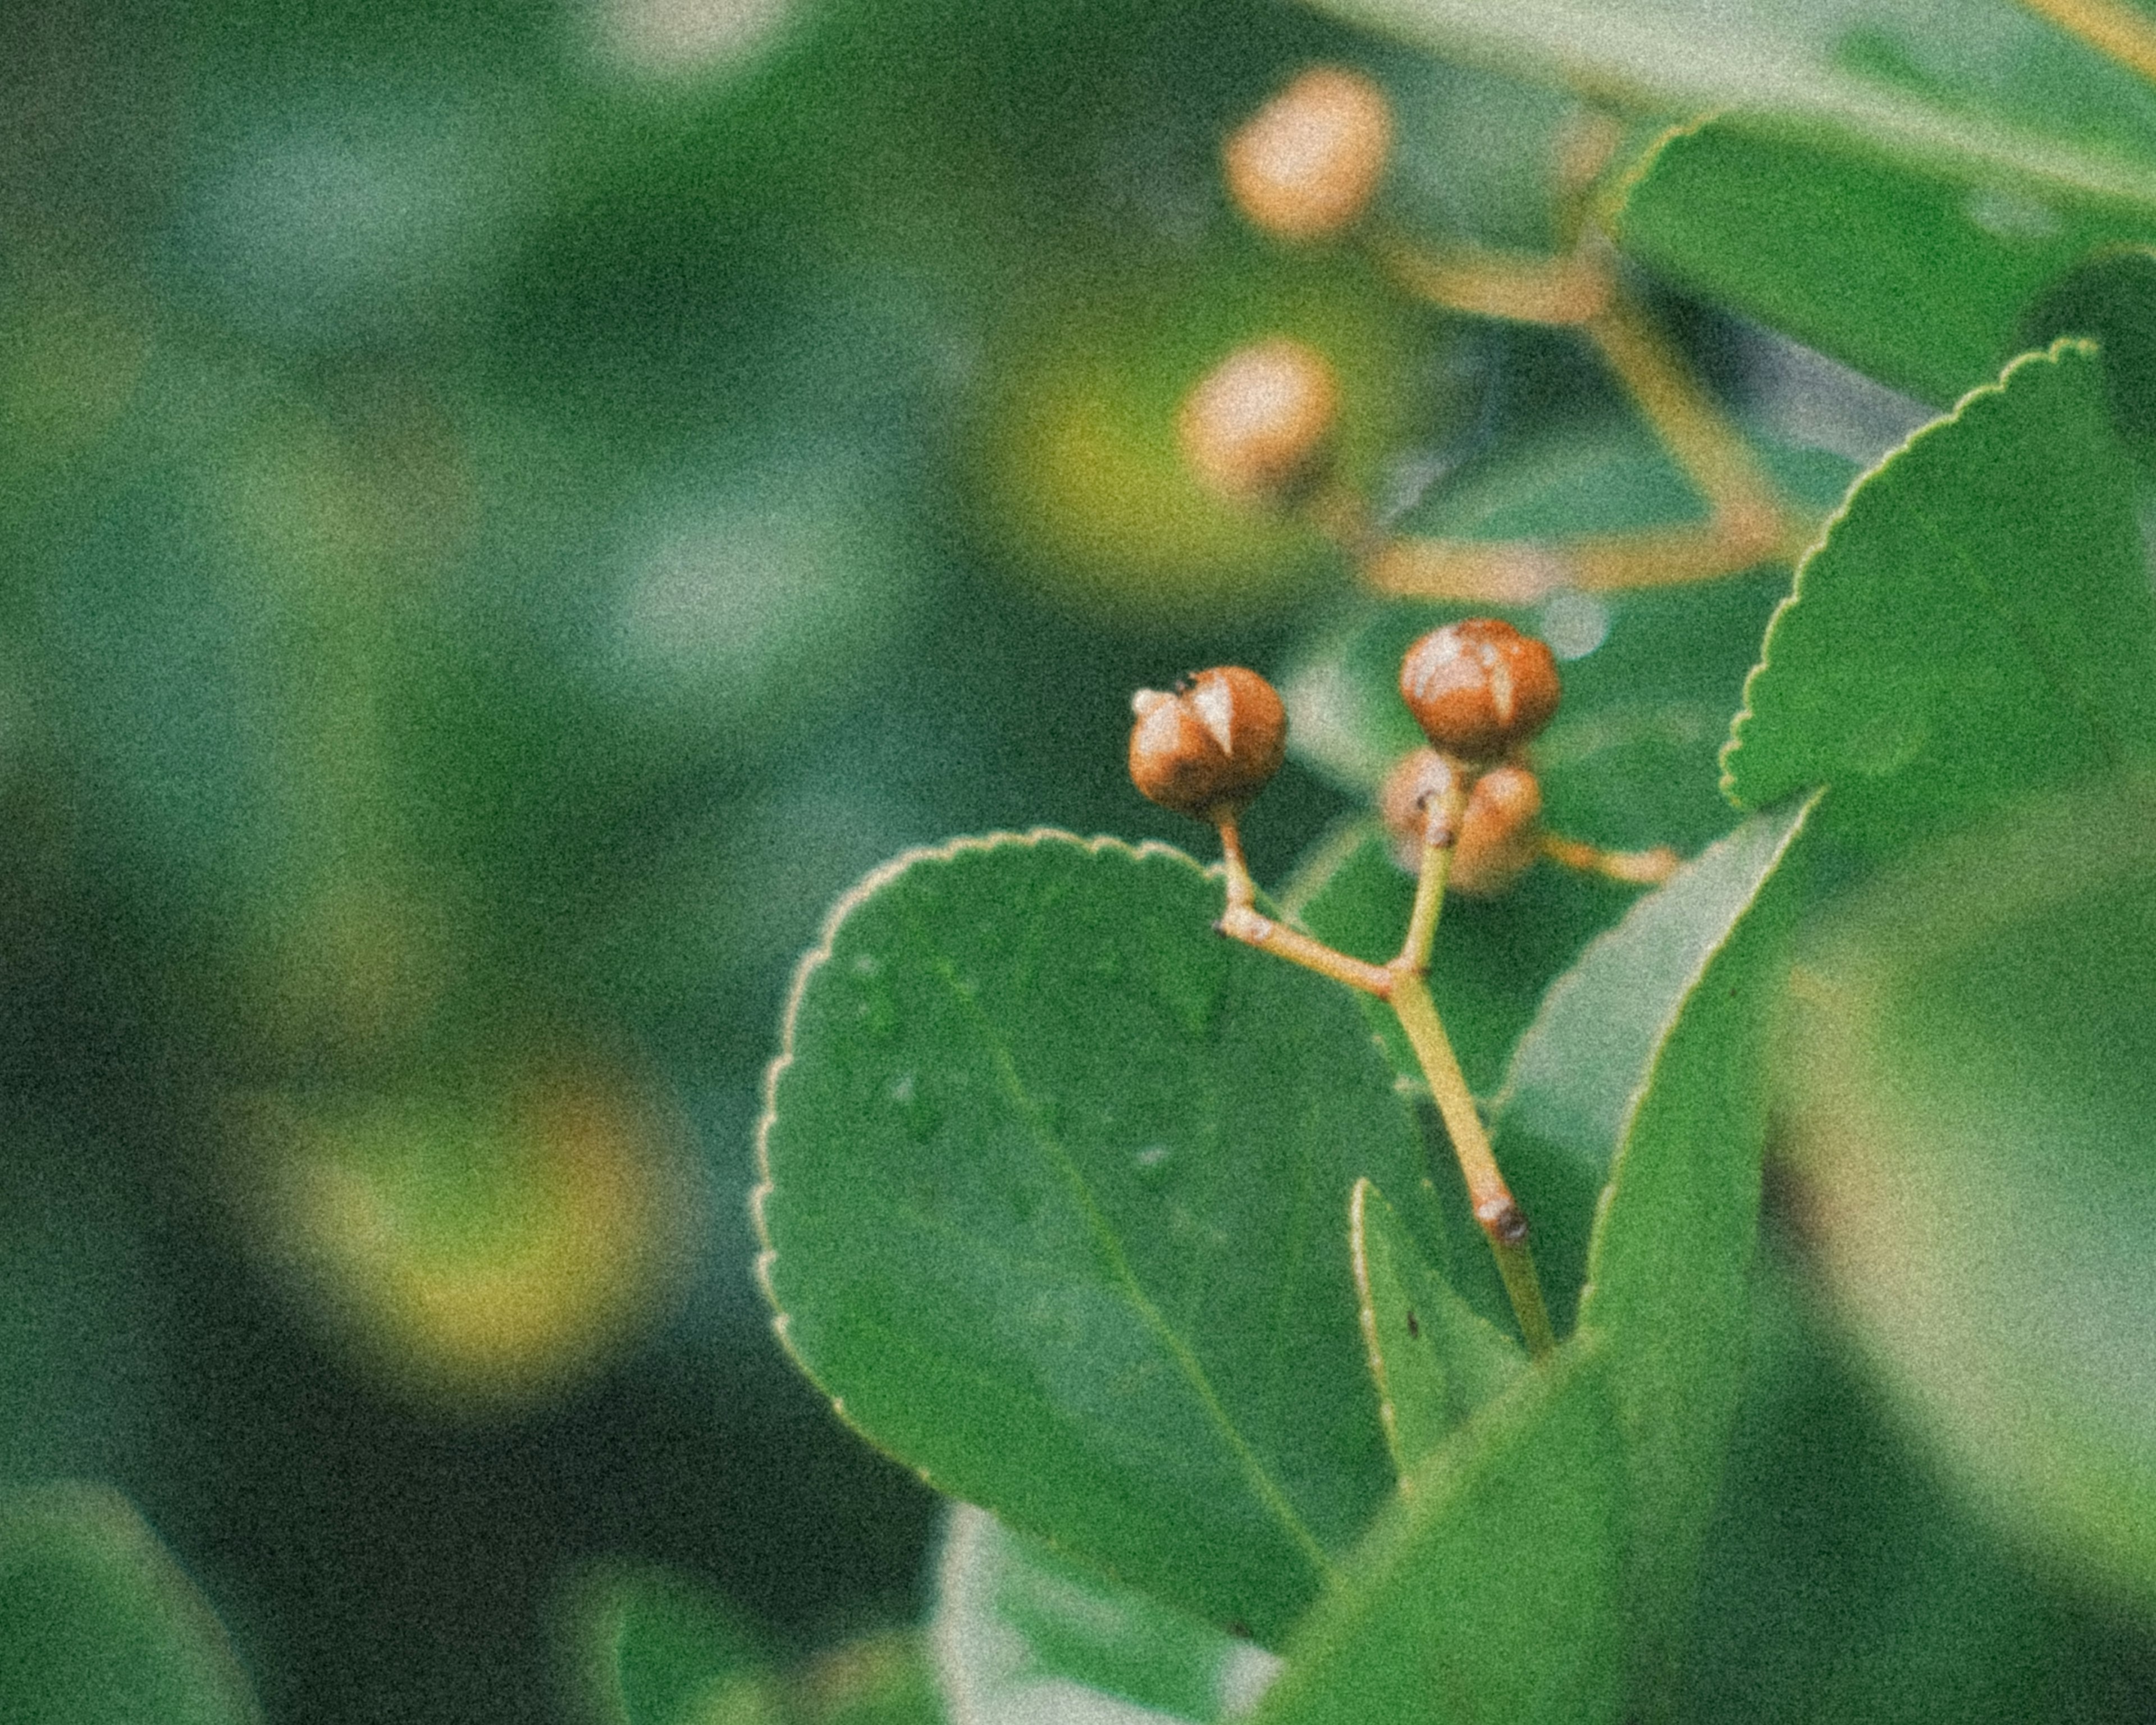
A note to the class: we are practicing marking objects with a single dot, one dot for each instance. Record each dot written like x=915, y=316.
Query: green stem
x=1440, y=835
x=1400, y=984
x=1496, y=1210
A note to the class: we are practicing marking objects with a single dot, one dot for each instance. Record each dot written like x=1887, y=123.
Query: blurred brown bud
x=1211, y=746
x=1500, y=834
x=1305, y=165
x=1260, y=421
x=1479, y=688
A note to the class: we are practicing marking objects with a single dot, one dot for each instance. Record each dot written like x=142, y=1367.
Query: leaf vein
x=1110, y=1248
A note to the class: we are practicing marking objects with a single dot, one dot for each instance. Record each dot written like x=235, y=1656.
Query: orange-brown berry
x=1211, y=745
x=1501, y=834
x=1305, y=165
x=1500, y=831
x=1260, y=421
x=1479, y=688
x=1419, y=782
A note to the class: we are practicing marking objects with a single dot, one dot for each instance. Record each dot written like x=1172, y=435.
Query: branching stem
x=1401, y=985
x=1243, y=920
x=1629, y=868
x=1748, y=521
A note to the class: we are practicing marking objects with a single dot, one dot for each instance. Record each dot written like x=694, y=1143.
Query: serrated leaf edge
x=814, y=959
x=1800, y=814
x=1260, y=1479
x=2042, y=355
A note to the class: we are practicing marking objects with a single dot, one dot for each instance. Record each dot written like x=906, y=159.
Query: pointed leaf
x=1054, y=1180
x=1577, y=1073
x=1025, y=1637
x=98, y=1626
x=1434, y=1359
x=1976, y=624
x=1906, y=274
x=1668, y=1270
x=2000, y=97
x=1489, y=1592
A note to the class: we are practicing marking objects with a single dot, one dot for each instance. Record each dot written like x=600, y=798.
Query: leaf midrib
x=1120, y=1273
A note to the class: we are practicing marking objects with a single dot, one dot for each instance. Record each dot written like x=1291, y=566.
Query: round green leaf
x=1056, y=1184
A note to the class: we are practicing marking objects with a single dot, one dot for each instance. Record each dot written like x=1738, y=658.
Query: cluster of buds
x=1500, y=832
x=1480, y=689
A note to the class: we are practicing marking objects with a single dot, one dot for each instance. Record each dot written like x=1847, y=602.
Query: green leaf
x=1668, y=1012
x=1844, y=1580
x=1577, y=1073
x=657, y=1649
x=98, y=1626
x=2111, y=298
x=1999, y=96
x=1054, y=1179
x=1025, y=1637
x=1972, y=1094
x=1914, y=276
x=1434, y=1360
x=77, y=1297
x=1977, y=624
x=1489, y=1592
x=1629, y=762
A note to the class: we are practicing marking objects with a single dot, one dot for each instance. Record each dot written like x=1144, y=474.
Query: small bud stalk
x=1445, y=806
x=1206, y=751
x=1242, y=921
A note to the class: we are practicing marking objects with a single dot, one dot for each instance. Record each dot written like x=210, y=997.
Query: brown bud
x=1500, y=835
x=1479, y=688
x=1500, y=832
x=1259, y=421
x=1304, y=166
x=1211, y=745
x=1419, y=782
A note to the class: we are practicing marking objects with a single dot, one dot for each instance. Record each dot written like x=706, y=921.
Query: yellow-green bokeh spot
x=1076, y=477
x=475, y=1244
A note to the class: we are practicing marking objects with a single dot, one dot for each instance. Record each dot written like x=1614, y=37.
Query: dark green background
x=355, y=364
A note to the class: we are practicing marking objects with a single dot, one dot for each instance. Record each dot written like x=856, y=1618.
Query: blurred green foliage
x=505, y=509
